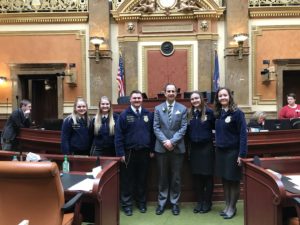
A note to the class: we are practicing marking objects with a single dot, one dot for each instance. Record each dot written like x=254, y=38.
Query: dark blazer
x=134, y=132
x=15, y=121
x=74, y=137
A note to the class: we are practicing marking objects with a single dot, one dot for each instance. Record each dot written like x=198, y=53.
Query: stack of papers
x=295, y=179
x=86, y=184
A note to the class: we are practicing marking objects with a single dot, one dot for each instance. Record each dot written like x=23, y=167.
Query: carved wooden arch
x=124, y=11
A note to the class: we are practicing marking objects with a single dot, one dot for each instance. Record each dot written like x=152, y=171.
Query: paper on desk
x=85, y=185
x=95, y=171
x=296, y=180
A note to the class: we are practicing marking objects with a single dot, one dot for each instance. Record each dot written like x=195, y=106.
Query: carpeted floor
x=186, y=217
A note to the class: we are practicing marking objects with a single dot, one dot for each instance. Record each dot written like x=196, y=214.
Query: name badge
x=75, y=126
x=130, y=119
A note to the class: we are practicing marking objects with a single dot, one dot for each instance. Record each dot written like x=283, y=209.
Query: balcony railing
x=29, y=6
x=275, y=3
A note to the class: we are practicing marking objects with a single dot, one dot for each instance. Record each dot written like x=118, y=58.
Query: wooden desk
x=274, y=143
x=105, y=193
x=264, y=193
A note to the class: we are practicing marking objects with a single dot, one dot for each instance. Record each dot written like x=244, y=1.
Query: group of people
x=136, y=135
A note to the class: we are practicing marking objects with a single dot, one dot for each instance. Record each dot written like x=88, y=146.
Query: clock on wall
x=167, y=48
x=167, y=3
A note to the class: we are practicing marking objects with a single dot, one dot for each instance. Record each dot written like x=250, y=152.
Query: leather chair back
x=32, y=191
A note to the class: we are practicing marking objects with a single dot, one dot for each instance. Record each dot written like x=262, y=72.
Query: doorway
x=291, y=84
x=42, y=91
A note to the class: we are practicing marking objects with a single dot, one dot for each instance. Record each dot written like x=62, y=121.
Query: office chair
x=123, y=100
x=33, y=191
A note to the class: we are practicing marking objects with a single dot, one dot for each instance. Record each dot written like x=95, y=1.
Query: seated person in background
x=291, y=110
x=257, y=122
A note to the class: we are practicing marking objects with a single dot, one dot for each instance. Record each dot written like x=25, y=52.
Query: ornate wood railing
x=29, y=6
x=275, y=3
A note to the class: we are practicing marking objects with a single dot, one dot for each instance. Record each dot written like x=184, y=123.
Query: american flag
x=121, y=77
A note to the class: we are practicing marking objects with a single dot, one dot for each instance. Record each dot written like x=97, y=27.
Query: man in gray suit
x=170, y=124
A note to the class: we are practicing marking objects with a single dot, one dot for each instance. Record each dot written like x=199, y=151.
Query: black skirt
x=202, y=158
x=226, y=164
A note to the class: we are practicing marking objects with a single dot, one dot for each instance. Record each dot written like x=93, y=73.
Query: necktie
x=104, y=119
x=138, y=113
x=197, y=114
x=170, y=113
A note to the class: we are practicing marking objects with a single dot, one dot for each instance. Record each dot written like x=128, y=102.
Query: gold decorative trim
x=213, y=37
x=190, y=65
x=269, y=12
x=54, y=17
x=161, y=16
x=208, y=9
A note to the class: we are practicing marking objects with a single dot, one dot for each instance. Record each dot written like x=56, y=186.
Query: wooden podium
x=265, y=195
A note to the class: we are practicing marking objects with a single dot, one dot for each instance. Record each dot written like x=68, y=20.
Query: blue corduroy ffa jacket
x=134, y=132
x=103, y=139
x=74, y=137
x=231, y=131
x=201, y=131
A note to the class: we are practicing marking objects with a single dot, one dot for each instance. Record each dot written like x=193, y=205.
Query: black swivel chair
x=124, y=100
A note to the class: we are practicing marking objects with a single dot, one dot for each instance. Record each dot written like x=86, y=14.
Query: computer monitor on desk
x=295, y=123
x=277, y=124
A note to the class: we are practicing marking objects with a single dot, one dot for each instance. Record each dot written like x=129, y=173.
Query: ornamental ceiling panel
x=165, y=9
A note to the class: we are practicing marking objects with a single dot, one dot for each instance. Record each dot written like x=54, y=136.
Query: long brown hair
x=98, y=118
x=218, y=107
x=202, y=107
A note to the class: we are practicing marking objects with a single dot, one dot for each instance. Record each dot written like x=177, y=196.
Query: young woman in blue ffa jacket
x=231, y=146
x=201, y=122
x=75, y=133
x=102, y=129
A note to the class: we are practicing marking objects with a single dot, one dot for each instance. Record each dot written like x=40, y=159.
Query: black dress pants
x=134, y=177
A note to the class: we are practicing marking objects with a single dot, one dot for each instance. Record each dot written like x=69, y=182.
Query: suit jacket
x=173, y=131
x=15, y=121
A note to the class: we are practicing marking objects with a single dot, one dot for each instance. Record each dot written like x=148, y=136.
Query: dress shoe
x=159, y=210
x=127, y=211
x=229, y=216
x=142, y=208
x=222, y=213
x=198, y=207
x=206, y=207
x=175, y=210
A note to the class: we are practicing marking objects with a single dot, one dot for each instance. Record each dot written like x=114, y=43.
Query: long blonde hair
x=98, y=118
x=74, y=114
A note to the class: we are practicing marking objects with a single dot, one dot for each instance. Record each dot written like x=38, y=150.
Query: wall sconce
x=97, y=41
x=70, y=74
x=268, y=73
x=240, y=38
x=2, y=79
